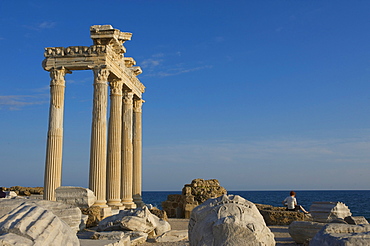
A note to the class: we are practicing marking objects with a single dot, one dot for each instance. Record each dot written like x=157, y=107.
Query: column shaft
x=54, y=146
x=137, y=153
x=127, y=157
x=98, y=157
x=114, y=145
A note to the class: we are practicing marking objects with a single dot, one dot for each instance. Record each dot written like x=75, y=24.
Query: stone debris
x=228, y=220
x=334, y=234
x=69, y=214
x=37, y=225
x=325, y=212
x=76, y=196
x=93, y=216
x=172, y=236
x=356, y=220
x=26, y=191
x=200, y=190
x=140, y=219
x=280, y=216
x=303, y=231
x=10, y=194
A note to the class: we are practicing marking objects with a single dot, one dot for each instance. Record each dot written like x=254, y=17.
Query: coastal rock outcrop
x=26, y=191
x=200, y=190
x=334, y=234
x=279, y=215
x=228, y=220
x=29, y=224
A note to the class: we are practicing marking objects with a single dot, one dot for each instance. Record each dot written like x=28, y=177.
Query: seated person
x=291, y=203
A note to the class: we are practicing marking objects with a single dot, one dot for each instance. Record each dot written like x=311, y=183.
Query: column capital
x=138, y=105
x=57, y=76
x=128, y=97
x=101, y=75
x=116, y=87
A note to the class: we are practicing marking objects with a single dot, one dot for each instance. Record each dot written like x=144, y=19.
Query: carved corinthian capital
x=57, y=76
x=116, y=87
x=127, y=97
x=100, y=75
x=138, y=105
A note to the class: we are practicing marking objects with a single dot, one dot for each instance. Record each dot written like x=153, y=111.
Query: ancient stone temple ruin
x=116, y=145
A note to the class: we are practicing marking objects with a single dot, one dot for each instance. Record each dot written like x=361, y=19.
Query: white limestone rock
x=37, y=224
x=342, y=235
x=14, y=239
x=111, y=235
x=228, y=220
x=139, y=219
x=325, y=212
x=303, y=231
x=137, y=238
x=68, y=213
x=76, y=196
x=172, y=236
x=10, y=194
x=356, y=220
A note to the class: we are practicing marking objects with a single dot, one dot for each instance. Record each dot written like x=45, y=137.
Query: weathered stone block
x=342, y=235
x=77, y=196
x=356, y=220
x=228, y=220
x=140, y=219
x=276, y=217
x=68, y=213
x=325, y=212
x=303, y=231
x=37, y=224
x=172, y=236
x=192, y=195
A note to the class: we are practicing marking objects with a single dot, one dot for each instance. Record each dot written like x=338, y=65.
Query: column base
x=105, y=212
x=114, y=202
x=138, y=201
x=101, y=203
x=129, y=205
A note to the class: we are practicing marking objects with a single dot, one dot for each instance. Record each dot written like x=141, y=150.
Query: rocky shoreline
x=83, y=224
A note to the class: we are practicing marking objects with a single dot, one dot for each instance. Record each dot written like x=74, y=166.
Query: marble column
x=127, y=157
x=98, y=157
x=54, y=146
x=137, y=153
x=114, y=145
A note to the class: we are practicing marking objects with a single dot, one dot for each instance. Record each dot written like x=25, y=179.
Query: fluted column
x=114, y=145
x=127, y=157
x=98, y=157
x=137, y=153
x=54, y=146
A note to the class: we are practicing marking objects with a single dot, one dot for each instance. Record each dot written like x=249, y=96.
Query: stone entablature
x=114, y=174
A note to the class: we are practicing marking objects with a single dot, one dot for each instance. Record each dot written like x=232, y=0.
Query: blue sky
x=270, y=95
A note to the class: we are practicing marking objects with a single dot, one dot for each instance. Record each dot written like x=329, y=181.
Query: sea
x=358, y=201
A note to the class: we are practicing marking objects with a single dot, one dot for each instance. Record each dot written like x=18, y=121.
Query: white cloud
x=150, y=63
x=41, y=26
x=164, y=65
x=46, y=25
x=17, y=102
